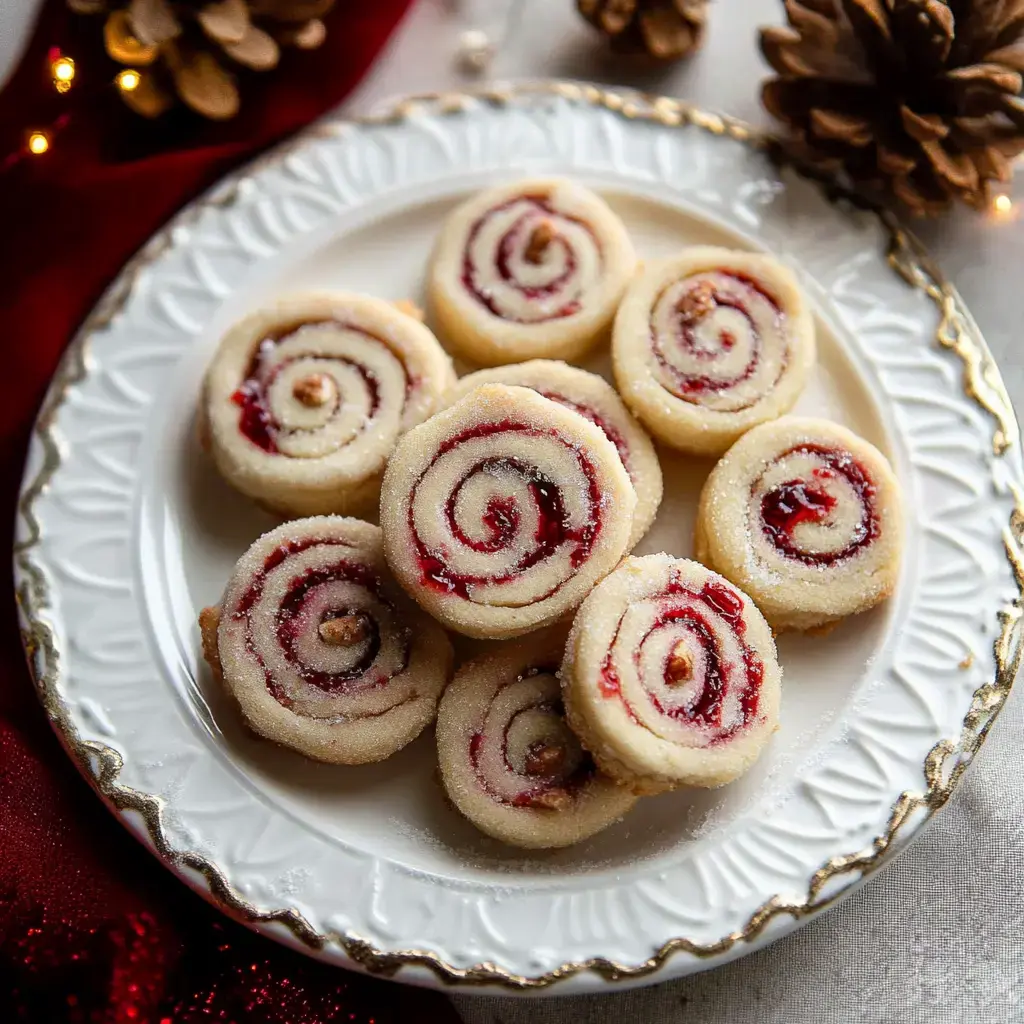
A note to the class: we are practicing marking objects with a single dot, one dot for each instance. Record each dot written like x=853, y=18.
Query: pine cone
x=177, y=46
x=666, y=29
x=916, y=98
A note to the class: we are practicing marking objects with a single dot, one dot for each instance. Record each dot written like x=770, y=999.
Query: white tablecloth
x=937, y=936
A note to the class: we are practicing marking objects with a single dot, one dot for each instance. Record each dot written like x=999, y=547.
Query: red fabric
x=92, y=929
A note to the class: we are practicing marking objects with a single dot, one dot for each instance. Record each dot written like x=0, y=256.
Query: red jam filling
x=272, y=561
x=719, y=676
x=506, y=250
x=502, y=521
x=690, y=387
x=608, y=682
x=797, y=501
x=256, y=421
x=706, y=709
x=596, y=418
x=540, y=784
x=785, y=507
x=289, y=624
x=510, y=241
x=502, y=516
x=726, y=602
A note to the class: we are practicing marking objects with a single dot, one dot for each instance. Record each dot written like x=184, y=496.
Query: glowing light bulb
x=1003, y=209
x=38, y=143
x=63, y=69
x=128, y=80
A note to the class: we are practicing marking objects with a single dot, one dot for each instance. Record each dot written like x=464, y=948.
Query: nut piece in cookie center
x=316, y=390
x=540, y=238
x=544, y=758
x=344, y=631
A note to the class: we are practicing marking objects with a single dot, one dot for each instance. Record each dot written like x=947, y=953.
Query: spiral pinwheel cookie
x=670, y=676
x=508, y=759
x=500, y=513
x=806, y=517
x=593, y=397
x=711, y=343
x=321, y=650
x=303, y=402
x=531, y=269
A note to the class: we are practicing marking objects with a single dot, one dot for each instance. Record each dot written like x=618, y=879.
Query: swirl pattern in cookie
x=304, y=402
x=321, y=650
x=529, y=270
x=711, y=343
x=595, y=399
x=501, y=512
x=509, y=761
x=806, y=517
x=670, y=676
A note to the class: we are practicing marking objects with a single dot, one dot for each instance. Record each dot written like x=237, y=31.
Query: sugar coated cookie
x=670, y=676
x=500, y=513
x=710, y=343
x=806, y=517
x=528, y=270
x=321, y=650
x=508, y=759
x=303, y=402
x=593, y=397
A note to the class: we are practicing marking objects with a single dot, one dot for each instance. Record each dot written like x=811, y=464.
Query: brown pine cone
x=189, y=47
x=916, y=98
x=666, y=29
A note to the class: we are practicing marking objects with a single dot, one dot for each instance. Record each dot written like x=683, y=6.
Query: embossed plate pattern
x=124, y=532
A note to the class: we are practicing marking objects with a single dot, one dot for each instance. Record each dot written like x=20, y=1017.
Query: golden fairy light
x=1003, y=207
x=38, y=143
x=128, y=80
x=63, y=71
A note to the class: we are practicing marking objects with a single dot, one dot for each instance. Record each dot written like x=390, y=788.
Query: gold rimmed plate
x=125, y=531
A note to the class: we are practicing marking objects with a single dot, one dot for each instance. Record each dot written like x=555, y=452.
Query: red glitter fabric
x=92, y=929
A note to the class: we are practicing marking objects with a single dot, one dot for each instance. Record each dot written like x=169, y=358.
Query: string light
x=63, y=71
x=128, y=80
x=41, y=140
x=1003, y=207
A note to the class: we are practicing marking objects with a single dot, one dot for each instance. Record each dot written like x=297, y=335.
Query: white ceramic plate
x=126, y=531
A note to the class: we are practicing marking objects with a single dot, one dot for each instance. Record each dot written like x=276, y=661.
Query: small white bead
x=475, y=51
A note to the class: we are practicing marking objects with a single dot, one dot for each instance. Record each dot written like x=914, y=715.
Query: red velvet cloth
x=92, y=929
